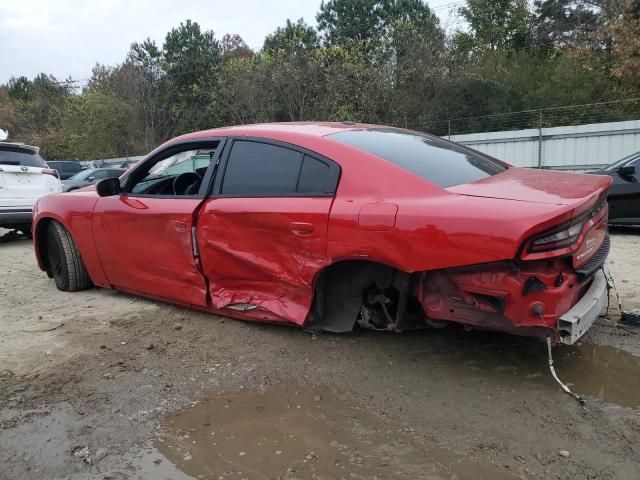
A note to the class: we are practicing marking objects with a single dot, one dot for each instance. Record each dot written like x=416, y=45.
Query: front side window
x=179, y=174
x=263, y=169
x=443, y=163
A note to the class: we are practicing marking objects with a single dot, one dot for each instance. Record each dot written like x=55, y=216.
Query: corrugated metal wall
x=575, y=148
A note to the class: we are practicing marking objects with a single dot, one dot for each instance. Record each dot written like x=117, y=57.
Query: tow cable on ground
x=626, y=318
x=566, y=389
x=631, y=319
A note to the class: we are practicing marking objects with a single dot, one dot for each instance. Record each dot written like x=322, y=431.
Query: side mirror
x=627, y=171
x=91, y=178
x=108, y=187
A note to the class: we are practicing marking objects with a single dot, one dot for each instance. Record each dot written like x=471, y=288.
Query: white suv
x=24, y=178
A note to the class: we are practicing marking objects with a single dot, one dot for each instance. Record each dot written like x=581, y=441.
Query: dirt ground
x=99, y=384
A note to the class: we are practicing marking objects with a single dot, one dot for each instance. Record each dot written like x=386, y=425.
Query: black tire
x=64, y=261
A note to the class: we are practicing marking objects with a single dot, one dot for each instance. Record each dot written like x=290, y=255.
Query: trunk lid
x=538, y=186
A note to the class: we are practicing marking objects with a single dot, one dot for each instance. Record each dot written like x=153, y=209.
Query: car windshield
x=619, y=163
x=443, y=163
x=83, y=175
x=19, y=156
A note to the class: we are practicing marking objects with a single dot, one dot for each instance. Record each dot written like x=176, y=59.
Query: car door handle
x=302, y=229
x=179, y=226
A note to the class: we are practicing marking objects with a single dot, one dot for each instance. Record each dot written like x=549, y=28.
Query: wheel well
x=41, y=241
x=340, y=288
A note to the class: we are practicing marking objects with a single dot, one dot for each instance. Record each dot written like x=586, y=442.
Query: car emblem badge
x=24, y=168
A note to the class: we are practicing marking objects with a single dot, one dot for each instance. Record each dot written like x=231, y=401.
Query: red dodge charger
x=339, y=226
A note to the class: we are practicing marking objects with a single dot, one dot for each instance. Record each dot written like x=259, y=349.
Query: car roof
x=21, y=145
x=276, y=129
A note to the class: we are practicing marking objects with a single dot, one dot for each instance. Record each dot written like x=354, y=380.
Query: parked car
x=24, y=178
x=65, y=168
x=624, y=195
x=339, y=226
x=89, y=177
x=127, y=164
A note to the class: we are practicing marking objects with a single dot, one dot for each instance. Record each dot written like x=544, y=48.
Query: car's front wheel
x=64, y=262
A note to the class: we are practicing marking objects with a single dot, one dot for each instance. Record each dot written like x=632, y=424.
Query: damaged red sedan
x=339, y=226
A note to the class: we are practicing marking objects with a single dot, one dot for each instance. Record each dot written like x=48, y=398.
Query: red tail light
x=555, y=239
x=563, y=239
x=50, y=171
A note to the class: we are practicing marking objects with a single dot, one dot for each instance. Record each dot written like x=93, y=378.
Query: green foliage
x=378, y=61
x=348, y=20
x=495, y=25
x=292, y=39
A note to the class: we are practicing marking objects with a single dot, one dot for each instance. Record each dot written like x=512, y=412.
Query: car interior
x=180, y=174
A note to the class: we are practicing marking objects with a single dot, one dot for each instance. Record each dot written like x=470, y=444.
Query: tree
x=347, y=20
x=292, y=39
x=233, y=46
x=566, y=23
x=153, y=96
x=380, y=61
x=191, y=59
x=94, y=125
x=146, y=54
x=246, y=91
x=495, y=25
x=7, y=111
x=37, y=105
x=625, y=32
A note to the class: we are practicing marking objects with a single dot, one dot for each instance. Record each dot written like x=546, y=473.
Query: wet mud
x=301, y=432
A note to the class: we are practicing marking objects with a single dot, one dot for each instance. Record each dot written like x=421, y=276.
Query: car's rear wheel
x=64, y=261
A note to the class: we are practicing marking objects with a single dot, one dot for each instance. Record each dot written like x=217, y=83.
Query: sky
x=68, y=37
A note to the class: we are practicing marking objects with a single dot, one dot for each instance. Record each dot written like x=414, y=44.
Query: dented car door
x=144, y=236
x=145, y=247
x=262, y=234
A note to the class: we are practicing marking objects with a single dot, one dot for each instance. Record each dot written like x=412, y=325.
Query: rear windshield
x=443, y=163
x=19, y=156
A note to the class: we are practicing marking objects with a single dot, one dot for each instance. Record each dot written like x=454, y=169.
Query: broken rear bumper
x=574, y=323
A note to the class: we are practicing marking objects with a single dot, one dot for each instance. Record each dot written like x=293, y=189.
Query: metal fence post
x=540, y=139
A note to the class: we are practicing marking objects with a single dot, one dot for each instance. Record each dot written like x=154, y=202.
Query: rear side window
x=317, y=176
x=19, y=156
x=443, y=163
x=256, y=168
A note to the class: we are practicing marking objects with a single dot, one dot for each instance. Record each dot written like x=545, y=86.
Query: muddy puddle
x=600, y=372
x=295, y=432
x=301, y=432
